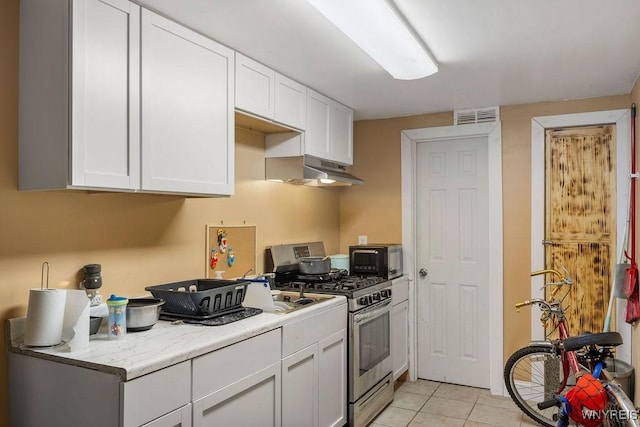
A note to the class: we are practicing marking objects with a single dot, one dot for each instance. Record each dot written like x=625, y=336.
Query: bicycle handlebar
x=564, y=280
x=532, y=301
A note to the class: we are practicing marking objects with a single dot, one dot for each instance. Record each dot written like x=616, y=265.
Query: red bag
x=633, y=308
x=631, y=280
x=587, y=401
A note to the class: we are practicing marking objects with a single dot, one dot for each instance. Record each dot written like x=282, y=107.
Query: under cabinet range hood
x=308, y=170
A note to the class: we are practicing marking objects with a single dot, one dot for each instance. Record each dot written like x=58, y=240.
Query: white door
x=453, y=256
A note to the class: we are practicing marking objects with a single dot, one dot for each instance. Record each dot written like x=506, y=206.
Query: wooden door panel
x=580, y=218
x=589, y=265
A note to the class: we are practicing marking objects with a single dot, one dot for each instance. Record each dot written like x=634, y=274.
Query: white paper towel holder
x=42, y=288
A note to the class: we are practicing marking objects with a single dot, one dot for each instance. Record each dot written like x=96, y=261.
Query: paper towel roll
x=45, y=317
x=75, y=329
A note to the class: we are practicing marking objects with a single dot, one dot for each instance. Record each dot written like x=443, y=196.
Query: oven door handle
x=371, y=312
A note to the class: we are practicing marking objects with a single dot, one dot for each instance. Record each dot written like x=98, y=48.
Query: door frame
x=410, y=138
x=622, y=121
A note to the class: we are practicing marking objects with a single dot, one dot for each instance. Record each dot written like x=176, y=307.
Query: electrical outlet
x=362, y=240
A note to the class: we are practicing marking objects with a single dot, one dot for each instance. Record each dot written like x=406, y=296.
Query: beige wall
x=139, y=239
x=374, y=209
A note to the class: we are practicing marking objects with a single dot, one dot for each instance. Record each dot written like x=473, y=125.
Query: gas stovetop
x=343, y=286
x=361, y=291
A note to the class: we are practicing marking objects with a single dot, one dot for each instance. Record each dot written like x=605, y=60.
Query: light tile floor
x=428, y=403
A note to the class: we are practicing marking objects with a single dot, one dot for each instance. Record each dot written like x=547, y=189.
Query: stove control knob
x=384, y=294
x=363, y=301
x=376, y=296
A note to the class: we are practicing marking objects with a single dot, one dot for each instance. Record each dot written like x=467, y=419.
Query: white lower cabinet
x=66, y=395
x=400, y=326
x=300, y=388
x=239, y=385
x=314, y=370
x=399, y=338
x=295, y=375
x=252, y=401
x=332, y=379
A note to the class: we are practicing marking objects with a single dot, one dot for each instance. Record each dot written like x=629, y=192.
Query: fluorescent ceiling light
x=377, y=28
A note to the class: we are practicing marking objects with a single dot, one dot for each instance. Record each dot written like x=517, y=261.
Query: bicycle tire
x=524, y=377
x=620, y=411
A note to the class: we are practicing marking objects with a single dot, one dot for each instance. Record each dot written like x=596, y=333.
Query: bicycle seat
x=603, y=339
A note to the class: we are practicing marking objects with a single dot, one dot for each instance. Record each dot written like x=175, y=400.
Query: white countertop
x=165, y=344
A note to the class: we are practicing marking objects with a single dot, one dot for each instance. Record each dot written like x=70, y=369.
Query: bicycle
x=539, y=375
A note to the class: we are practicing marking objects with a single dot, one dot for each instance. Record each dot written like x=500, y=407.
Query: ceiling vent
x=479, y=115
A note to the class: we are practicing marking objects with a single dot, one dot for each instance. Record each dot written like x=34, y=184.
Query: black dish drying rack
x=201, y=298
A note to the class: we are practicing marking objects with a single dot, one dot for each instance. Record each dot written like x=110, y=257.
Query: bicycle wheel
x=620, y=411
x=532, y=375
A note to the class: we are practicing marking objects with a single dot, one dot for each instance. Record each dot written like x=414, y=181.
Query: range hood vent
x=308, y=170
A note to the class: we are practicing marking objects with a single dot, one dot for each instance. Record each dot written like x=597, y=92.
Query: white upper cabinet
x=255, y=87
x=329, y=133
x=105, y=94
x=187, y=110
x=341, y=133
x=318, y=134
x=79, y=110
x=91, y=71
x=290, y=102
x=263, y=92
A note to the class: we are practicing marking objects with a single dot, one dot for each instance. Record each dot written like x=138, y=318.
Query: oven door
x=370, y=345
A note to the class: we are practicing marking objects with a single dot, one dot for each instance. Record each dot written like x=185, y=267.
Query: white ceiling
x=490, y=52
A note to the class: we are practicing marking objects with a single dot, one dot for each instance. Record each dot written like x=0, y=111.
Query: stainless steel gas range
x=370, y=385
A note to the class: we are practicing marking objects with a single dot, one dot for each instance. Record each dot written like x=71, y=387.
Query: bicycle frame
x=569, y=358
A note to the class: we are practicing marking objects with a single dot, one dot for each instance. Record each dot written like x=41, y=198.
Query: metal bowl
x=94, y=324
x=142, y=313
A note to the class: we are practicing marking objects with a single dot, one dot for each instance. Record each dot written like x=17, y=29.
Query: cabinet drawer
x=228, y=365
x=155, y=394
x=399, y=290
x=303, y=333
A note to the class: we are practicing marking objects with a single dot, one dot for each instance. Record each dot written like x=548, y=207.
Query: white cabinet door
x=341, y=134
x=255, y=87
x=79, y=91
x=400, y=338
x=142, y=403
x=329, y=133
x=253, y=401
x=332, y=380
x=300, y=388
x=291, y=102
x=105, y=95
x=318, y=132
x=187, y=110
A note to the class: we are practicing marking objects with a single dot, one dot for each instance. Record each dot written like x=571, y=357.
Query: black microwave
x=384, y=260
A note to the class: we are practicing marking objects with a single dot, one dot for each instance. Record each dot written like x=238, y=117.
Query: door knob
x=423, y=272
